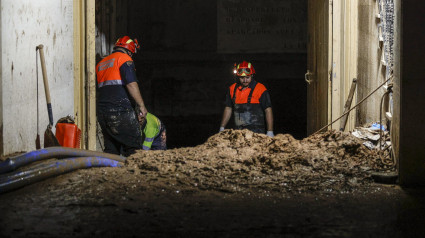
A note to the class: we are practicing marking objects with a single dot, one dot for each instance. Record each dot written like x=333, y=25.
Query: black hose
x=43, y=171
x=380, y=119
x=13, y=163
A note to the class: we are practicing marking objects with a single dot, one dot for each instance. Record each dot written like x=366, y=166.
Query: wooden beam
x=79, y=63
x=91, y=73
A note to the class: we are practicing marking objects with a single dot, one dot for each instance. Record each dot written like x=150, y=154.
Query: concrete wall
x=395, y=128
x=24, y=25
x=371, y=72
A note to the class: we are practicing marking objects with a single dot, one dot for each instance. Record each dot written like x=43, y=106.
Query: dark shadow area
x=191, y=130
x=188, y=52
x=382, y=211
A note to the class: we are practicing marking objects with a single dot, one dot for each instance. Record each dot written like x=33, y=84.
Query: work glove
x=270, y=133
x=221, y=129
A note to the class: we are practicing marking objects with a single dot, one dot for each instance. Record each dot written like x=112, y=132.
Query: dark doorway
x=188, y=51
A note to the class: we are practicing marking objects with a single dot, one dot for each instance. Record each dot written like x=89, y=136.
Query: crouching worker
x=154, y=133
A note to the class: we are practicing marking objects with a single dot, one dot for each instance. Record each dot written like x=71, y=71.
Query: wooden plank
x=318, y=55
x=91, y=74
x=330, y=63
x=337, y=58
x=79, y=65
x=348, y=105
x=323, y=64
x=351, y=54
x=310, y=66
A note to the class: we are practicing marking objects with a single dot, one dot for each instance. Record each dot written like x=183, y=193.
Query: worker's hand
x=221, y=129
x=270, y=133
x=141, y=119
x=142, y=111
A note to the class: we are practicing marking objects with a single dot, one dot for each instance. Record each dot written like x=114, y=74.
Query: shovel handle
x=46, y=84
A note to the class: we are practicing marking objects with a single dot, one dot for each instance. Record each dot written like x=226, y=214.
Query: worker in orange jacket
x=119, y=101
x=249, y=101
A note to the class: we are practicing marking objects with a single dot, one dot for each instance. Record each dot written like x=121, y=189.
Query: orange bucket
x=68, y=135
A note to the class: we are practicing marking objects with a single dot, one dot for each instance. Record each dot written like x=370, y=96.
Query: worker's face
x=245, y=80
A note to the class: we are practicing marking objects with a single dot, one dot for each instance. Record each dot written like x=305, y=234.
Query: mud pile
x=242, y=161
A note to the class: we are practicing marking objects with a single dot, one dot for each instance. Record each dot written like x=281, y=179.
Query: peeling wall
x=24, y=25
x=371, y=70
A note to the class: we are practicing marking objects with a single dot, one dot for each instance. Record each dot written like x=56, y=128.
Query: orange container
x=68, y=135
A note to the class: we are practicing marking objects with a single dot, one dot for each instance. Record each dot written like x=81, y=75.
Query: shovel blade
x=50, y=139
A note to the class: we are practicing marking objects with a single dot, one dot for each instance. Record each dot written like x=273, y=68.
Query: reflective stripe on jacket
x=108, y=70
x=151, y=130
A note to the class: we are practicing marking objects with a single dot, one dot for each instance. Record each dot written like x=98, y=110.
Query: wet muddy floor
x=236, y=184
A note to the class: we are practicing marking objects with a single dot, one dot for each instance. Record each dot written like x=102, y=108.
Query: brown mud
x=236, y=184
x=243, y=161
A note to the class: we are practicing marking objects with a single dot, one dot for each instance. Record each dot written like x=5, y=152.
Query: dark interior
x=188, y=51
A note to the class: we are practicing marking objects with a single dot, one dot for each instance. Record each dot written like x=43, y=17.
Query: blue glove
x=270, y=133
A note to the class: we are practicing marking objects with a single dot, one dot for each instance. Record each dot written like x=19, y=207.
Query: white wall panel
x=24, y=25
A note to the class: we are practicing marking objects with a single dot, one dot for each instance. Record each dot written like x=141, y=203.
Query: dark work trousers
x=160, y=142
x=121, y=132
x=249, y=116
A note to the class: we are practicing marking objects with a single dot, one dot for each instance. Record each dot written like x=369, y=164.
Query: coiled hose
x=13, y=163
x=76, y=159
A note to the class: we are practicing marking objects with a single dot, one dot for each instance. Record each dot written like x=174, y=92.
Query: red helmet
x=129, y=44
x=245, y=69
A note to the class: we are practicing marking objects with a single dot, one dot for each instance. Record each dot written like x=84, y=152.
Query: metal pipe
x=40, y=172
x=13, y=163
x=380, y=119
x=355, y=106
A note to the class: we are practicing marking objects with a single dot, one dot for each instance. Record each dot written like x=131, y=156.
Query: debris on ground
x=242, y=161
x=375, y=137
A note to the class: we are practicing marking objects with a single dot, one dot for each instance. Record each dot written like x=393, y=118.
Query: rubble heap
x=243, y=161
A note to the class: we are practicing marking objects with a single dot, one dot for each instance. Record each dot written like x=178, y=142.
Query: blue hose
x=13, y=163
x=40, y=172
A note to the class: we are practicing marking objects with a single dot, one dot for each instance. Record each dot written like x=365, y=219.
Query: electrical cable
x=355, y=106
x=380, y=119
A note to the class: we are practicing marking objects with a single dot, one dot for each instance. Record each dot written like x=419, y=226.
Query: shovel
x=37, y=139
x=49, y=138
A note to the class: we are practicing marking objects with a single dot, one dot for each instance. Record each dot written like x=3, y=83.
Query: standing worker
x=249, y=101
x=119, y=101
x=154, y=133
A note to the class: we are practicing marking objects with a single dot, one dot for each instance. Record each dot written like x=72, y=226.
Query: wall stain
x=12, y=71
x=17, y=38
x=54, y=39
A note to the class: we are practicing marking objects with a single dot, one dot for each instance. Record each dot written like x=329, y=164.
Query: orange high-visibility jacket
x=108, y=70
x=243, y=95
